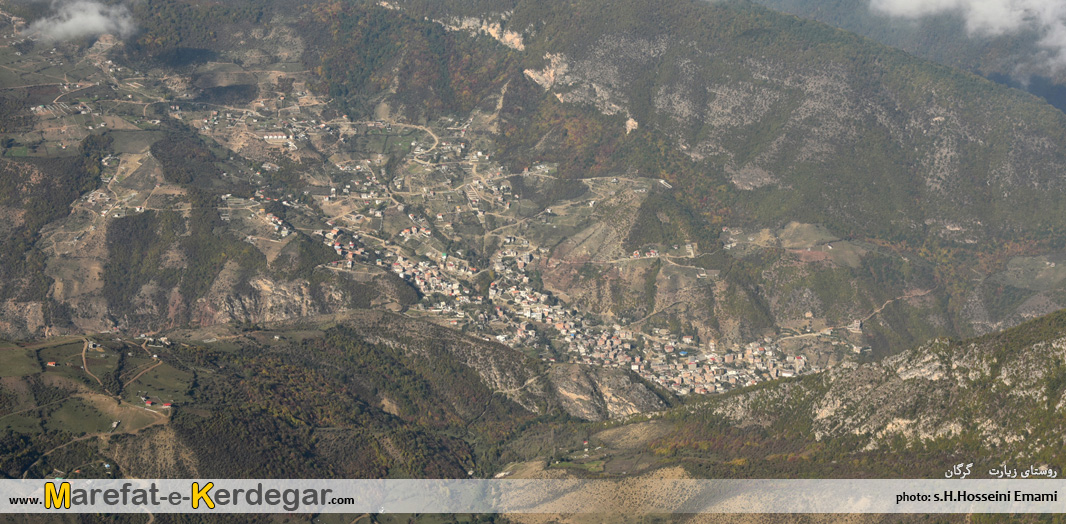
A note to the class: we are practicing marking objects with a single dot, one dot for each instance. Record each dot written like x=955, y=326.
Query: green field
x=27, y=422
x=18, y=362
x=594, y=466
x=62, y=354
x=161, y=384
x=101, y=362
x=134, y=141
x=77, y=416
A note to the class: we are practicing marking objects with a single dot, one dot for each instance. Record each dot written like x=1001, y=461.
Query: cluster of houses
x=280, y=226
x=680, y=364
x=512, y=307
x=516, y=312
x=712, y=372
x=651, y=253
x=431, y=277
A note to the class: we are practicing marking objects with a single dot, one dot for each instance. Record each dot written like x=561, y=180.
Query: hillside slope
x=993, y=402
x=997, y=399
x=378, y=396
x=1014, y=57
x=761, y=119
x=811, y=180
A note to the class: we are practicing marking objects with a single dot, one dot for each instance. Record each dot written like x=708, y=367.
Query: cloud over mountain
x=82, y=18
x=1045, y=18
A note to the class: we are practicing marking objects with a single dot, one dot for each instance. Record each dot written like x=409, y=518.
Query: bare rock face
x=491, y=28
x=21, y=318
x=595, y=393
x=268, y=300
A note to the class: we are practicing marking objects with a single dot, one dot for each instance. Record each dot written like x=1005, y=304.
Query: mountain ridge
x=719, y=173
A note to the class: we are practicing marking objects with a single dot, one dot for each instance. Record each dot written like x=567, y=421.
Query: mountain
x=760, y=121
x=370, y=397
x=1014, y=58
x=991, y=401
x=588, y=183
x=406, y=399
x=510, y=238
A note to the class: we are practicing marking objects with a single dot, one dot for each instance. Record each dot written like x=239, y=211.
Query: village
x=511, y=309
x=426, y=202
x=402, y=223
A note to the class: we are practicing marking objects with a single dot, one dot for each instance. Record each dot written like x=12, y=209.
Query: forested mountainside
x=762, y=119
x=716, y=172
x=1014, y=56
x=381, y=396
x=993, y=401
x=375, y=396
x=520, y=239
x=885, y=150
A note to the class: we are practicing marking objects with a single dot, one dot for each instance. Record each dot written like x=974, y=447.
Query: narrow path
x=139, y=375
x=56, y=101
x=161, y=420
x=867, y=317
x=26, y=472
x=35, y=408
x=523, y=386
x=85, y=363
x=905, y=296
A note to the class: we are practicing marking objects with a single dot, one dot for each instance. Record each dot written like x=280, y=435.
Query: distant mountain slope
x=1014, y=58
x=761, y=119
x=812, y=176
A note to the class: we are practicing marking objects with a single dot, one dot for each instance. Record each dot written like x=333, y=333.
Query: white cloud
x=1047, y=18
x=81, y=18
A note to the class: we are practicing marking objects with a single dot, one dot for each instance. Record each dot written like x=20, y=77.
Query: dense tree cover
x=186, y=160
x=13, y=115
x=234, y=95
x=662, y=220
x=409, y=411
x=942, y=38
x=365, y=51
x=874, y=169
x=141, y=249
x=427, y=386
x=873, y=185
x=16, y=453
x=301, y=256
x=179, y=33
x=712, y=446
x=169, y=249
x=869, y=189
x=547, y=192
x=210, y=246
x=330, y=406
x=23, y=449
x=137, y=249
